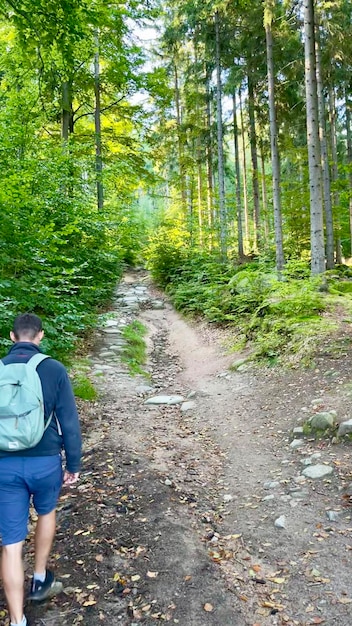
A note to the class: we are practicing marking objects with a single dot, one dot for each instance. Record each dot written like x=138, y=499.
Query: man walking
x=36, y=473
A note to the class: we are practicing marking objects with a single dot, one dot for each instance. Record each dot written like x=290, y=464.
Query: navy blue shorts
x=21, y=478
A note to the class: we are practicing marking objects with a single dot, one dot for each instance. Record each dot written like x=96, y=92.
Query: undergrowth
x=280, y=320
x=134, y=353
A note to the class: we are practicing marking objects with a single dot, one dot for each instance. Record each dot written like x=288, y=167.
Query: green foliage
x=83, y=388
x=280, y=319
x=134, y=353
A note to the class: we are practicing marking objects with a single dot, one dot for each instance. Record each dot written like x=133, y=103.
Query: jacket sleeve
x=67, y=415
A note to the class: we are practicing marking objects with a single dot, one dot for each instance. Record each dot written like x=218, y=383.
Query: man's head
x=27, y=327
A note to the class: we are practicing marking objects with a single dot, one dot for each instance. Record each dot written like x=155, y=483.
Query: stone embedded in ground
x=298, y=432
x=165, y=400
x=227, y=497
x=269, y=497
x=318, y=471
x=157, y=304
x=280, y=522
x=188, y=406
x=323, y=420
x=271, y=484
x=238, y=363
x=345, y=428
x=111, y=323
x=296, y=443
x=111, y=331
x=332, y=516
x=144, y=389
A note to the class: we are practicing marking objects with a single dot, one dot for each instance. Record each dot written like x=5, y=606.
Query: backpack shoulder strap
x=36, y=359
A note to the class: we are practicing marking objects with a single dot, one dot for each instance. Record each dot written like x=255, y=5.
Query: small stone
x=298, y=432
x=165, y=400
x=168, y=482
x=296, y=443
x=271, y=484
x=187, y=406
x=332, y=516
x=227, y=497
x=318, y=471
x=280, y=522
x=345, y=428
x=269, y=497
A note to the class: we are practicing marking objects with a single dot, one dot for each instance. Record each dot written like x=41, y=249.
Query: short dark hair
x=27, y=325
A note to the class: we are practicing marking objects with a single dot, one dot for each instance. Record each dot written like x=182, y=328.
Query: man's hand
x=69, y=478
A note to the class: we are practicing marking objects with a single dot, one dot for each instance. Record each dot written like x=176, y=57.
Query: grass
x=83, y=388
x=134, y=353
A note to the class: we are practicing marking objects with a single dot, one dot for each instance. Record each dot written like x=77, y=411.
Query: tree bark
x=222, y=203
x=97, y=122
x=313, y=140
x=254, y=156
x=238, y=180
x=209, y=163
x=67, y=110
x=275, y=160
x=245, y=186
x=179, y=139
x=334, y=170
x=349, y=157
x=329, y=228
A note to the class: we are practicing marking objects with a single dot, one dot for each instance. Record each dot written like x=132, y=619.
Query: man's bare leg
x=13, y=579
x=44, y=537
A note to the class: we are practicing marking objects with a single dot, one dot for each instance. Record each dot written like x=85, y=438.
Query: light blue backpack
x=22, y=422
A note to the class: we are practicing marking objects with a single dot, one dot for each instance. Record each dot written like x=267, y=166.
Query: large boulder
x=323, y=420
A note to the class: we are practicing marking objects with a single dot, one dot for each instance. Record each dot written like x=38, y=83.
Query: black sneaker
x=43, y=590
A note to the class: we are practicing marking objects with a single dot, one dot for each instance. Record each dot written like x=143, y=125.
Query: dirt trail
x=174, y=518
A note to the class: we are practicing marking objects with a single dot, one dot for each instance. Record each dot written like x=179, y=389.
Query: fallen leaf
x=152, y=574
x=99, y=558
x=135, y=577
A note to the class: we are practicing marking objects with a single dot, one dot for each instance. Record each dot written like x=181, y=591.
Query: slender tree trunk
x=238, y=180
x=254, y=156
x=349, y=157
x=334, y=171
x=179, y=140
x=314, y=156
x=222, y=203
x=209, y=162
x=329, y=228
x=97, y=121
x=275, y=160
x=67, y=112
x=265, y=213
x=245, y=186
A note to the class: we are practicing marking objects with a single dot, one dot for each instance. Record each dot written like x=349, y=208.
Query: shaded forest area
x=210, y=139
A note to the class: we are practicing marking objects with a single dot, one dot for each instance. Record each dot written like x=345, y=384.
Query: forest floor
x=174, y=516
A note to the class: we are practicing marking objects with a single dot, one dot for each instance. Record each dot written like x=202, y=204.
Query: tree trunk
x=275, y=160
x=254, y=156
x=238, y=180
x=179, y=140
x=209, y=163
x=329, y=228
x=245, y=186
x=349, y=158
x=314, y=156
x=67, y=111
x=334, y=170
x=222, y=204
x=265, y=212
x=97, y=122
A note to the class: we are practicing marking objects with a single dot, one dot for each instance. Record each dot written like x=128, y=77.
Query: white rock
x=227, y=497
x=296, y=443
x=318, y=471
x=280, y=522
x=165, y=400
x=187, y=406
x=345, y=428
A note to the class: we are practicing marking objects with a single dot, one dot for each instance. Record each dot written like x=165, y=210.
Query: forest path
x=174, y=519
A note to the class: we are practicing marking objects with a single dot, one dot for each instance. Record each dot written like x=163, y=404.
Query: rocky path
x=193, y=508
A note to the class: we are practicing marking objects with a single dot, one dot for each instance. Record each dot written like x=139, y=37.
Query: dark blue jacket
x=58, y=398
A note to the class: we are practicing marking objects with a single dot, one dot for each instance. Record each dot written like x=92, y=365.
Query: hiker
x=36, y=471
